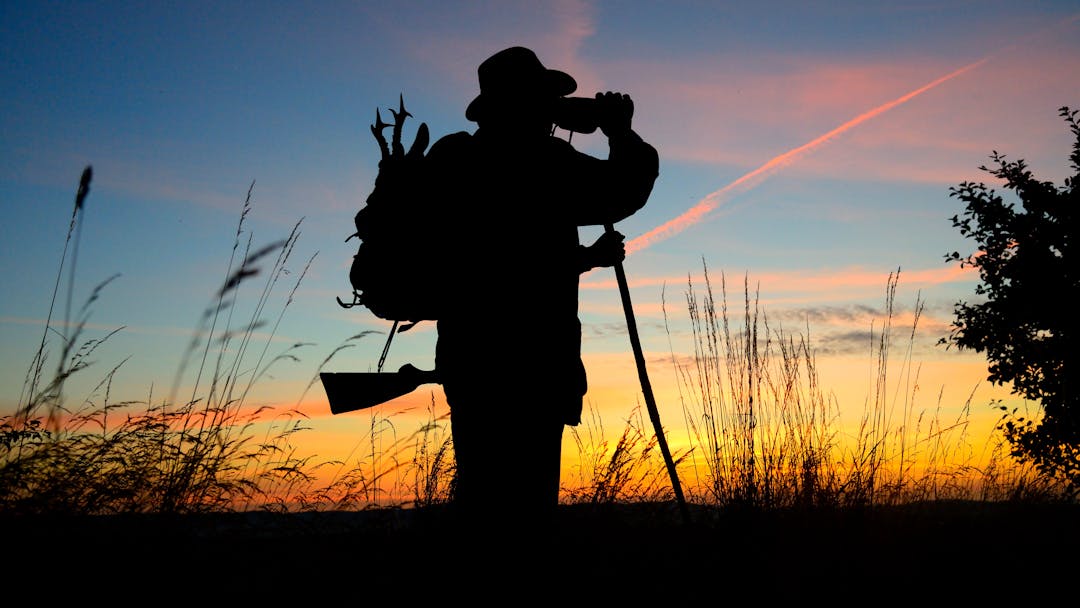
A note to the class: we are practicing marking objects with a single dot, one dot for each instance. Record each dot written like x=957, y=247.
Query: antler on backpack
x=394, y=149
x=376, y=130
x=391, y=165
x=399, y=122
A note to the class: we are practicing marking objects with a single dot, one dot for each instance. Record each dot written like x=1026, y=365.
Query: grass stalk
x=763, y=433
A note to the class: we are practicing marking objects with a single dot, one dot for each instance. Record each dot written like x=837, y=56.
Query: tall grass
x=208, y=450
x=765, y=433
x=762, y=430
x=631, y=470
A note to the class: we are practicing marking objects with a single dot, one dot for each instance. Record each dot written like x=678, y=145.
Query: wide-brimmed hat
x=516, y=73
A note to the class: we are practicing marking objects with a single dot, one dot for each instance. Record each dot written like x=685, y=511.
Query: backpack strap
x=386, y=348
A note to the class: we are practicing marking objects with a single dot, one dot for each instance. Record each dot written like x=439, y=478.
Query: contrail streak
x=698, y=212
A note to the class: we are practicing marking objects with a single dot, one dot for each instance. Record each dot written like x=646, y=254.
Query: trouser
x=508, y=454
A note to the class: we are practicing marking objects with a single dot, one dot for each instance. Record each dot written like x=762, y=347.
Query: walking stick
x=646, y=386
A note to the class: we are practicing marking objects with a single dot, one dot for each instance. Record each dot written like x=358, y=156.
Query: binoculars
x=577, y=114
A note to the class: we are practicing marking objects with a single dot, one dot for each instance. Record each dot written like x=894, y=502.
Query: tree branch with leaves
x=1028, y=291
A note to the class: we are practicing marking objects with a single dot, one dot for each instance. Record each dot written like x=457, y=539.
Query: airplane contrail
x=698, y=212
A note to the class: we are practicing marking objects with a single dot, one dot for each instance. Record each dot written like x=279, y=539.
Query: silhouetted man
x=512, y=196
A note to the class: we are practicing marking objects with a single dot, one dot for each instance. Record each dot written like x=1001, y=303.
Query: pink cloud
x=749, y=180
x=805, y=283
x=561, y=48
x=739, y=111
x=451, y=44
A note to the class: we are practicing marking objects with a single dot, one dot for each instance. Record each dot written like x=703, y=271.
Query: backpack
x=391, y=269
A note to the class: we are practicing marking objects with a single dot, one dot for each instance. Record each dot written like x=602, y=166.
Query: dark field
x=934, y=553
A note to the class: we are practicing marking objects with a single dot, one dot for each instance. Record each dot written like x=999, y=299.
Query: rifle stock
x=352, y=391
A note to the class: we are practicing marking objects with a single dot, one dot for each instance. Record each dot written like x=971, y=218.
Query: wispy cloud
x=40, y=322
x=705, y=206
x=448, y=43
x=561, y=49
x=808, y=282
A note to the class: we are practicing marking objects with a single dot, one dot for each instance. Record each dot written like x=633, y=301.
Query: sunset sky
x=806, y=146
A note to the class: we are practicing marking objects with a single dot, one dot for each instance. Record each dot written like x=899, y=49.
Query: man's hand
x=608, y=250
x=616, y=113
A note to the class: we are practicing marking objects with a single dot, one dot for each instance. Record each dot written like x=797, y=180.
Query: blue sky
x=179, y=107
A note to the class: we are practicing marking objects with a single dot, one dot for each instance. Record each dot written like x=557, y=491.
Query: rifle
x=351, y=391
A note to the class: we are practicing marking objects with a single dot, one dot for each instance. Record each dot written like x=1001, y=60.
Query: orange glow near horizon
x=945, y=400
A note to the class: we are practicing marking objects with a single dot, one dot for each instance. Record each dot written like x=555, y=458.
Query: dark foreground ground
x=934, y=553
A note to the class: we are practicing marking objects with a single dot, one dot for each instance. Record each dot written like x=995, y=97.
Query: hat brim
x=555, y=84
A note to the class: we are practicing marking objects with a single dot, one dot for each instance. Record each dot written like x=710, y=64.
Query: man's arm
x=615, y=188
